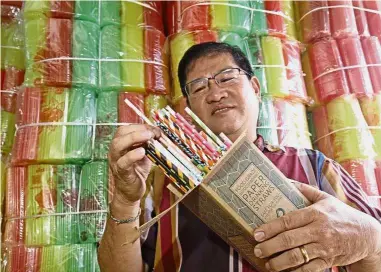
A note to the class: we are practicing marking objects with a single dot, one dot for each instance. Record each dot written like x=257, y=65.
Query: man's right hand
x=129, y=165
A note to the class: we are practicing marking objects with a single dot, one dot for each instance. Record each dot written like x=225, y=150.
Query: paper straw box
x=243, y=191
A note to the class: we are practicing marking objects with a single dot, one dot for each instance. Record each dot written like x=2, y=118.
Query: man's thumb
x=311, y=193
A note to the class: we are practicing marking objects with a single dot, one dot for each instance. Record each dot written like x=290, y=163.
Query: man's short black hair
x=208, y=49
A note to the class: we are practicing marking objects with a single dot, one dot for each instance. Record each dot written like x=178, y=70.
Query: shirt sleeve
x=336, y=181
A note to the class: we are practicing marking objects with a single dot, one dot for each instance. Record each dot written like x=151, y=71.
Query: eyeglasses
x=223, y=79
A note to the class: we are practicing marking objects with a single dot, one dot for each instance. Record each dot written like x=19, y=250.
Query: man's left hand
x=331, y=232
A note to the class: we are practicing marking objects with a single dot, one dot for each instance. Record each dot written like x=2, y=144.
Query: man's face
x=231, y=109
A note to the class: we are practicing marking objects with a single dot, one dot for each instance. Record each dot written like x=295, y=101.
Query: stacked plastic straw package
x=56, y=195
x=342, y=64
x=265, y=31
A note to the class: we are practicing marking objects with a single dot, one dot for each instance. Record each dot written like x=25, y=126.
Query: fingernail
x=141, y=151
x=268, y=267
x=259, y=236
x=148, y=134
x=257, y=252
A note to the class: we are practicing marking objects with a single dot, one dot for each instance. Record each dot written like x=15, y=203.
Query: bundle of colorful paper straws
x=183, y=153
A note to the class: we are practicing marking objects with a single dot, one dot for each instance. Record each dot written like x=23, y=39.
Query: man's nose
x=215, y=92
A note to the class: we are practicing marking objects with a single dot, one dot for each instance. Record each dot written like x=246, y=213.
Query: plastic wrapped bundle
x=39, y=140
x=21, y=258
x=93, y=196
x=373, y=18
x=259, y=20
x=351, y=137
x=3, y=176
x=371, y=109
x=73, y=258
x=284, y=123
x=372, y=51
x=280, y=20
x=255, y=56
x=111, y=110
x=326, y=65
x=181, y=42
x=87, y=10
x=230, y=16
x=323, y=139
x=134, y=59
x=61, y=52
x=283, y=69
x=12, y=53
x=314, y=20
x=343, y=21
x=352, y=55
x=309, y=81
x=8, y=120
x=363, y=171
x=361, y=18
x=134, y=13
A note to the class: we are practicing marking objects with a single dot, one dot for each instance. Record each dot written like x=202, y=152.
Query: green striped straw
x=85, y=45
x=81, y=109
x=93, y=195
x=42, y=180
x=67, y=193
x=107, y=112
x=206, y=129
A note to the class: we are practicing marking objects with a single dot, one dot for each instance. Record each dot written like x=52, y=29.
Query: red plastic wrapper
x=352, y=55
x=15, y=207
x=372, y=50
x=343, y=22
x=363, y=171
x=126, y=114
x=23, y=258
x=323, y=140
x=361, y=21
x=11, y=78
x=58, y=72
x=12, y=3
x=374, y=19
x=314, y=25
x=292, y=60
x=9, y=12
x=325, y=56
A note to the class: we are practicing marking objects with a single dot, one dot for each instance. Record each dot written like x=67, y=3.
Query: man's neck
x=251, y=135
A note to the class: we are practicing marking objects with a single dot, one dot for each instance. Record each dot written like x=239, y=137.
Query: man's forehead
x=209, y=65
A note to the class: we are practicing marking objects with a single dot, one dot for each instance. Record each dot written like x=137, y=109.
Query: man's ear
x=256, y=86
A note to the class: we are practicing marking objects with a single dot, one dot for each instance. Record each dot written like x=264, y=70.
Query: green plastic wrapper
x=132, y=45
x=68, y=177
x=276, y=77
x=371, y=109
x=85, y=45
x=12, y=45
x=110, y=12
x=267, y=122
x=79, y=138
x=219, y=16
x=87, y=10
x=110, y=74
x=107, y=112
x=256, y=59
x=93, y=196
x=154, y=102
x=352, y=139
x=8, y=120
x=240, y=17
x=259, y=20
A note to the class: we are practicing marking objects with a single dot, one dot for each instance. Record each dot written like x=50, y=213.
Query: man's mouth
x=221, y=110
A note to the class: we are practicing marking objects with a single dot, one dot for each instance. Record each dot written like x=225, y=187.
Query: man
x=220, y=88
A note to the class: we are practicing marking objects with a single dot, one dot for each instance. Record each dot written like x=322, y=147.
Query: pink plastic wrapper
x=378, y=175
x=363, y=171
x=361, y=21
x=314, y=25
x=324, y=57
x=372, y=50
x=374, y=19
x=352, y=55
x=343, y=22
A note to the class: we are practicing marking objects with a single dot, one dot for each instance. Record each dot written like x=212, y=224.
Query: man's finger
x=312, y=194
x=317, y=265
x=285, y=241
x=292, y=220
x=121, y=144
x=126, y=161
x=127, y=129
x=293, y=258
